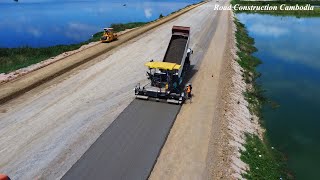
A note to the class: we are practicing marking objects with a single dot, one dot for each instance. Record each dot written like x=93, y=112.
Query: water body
x=42, y=23
x=290, y=49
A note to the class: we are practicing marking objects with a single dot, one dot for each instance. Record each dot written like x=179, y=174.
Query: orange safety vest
x=4, y=177
x=188, y=89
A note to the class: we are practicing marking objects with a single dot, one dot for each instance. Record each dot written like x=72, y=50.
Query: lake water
x=41, y=23
x=290, y=50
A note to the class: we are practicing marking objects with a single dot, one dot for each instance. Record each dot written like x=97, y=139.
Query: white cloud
x=35, y=32
x=79, y=31
x=148, y=12
x=277, y=35
x=79, y=26
x=299, y=55
x=268, y=30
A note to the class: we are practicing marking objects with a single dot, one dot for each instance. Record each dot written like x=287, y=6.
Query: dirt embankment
x=234, y=111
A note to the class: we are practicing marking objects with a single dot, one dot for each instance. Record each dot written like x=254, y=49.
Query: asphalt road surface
x=129, y=148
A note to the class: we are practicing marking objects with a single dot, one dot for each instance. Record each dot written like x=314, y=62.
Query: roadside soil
x=236, y=112
x=197, y=146
x=46, y=130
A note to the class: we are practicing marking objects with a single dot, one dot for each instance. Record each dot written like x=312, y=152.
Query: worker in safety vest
x=166, y=86
x=188, y=91
x=4, y=177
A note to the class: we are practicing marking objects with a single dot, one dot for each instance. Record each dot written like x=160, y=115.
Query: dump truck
x=167, y=76
x=108, y=35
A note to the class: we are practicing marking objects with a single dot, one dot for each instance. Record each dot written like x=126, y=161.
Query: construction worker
x=167, y=86
x=189, y=91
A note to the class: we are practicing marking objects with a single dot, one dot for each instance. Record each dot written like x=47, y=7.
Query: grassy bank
x=15, y=58
x=296, y=13
x=264, y=161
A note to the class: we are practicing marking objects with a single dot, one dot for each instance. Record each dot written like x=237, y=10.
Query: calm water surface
x=40, y=23
x=290, y=50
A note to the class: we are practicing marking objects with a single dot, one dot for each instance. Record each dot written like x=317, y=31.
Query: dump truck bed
x=178, y=46
x=176, y=49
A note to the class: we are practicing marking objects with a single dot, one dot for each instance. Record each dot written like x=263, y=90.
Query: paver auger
x=166, y=77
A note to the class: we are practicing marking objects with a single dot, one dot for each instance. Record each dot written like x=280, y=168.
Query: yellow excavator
x=108, y=35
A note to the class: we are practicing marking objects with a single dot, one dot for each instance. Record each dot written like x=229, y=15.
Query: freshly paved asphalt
x=129, y=148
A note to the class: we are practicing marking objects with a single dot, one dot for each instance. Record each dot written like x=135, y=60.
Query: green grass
x=271, y=164
x=314, y=13
x=264, y=161
x=249, y=63
x=15, y=58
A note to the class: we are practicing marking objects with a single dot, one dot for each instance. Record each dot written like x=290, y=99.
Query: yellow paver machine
x=166, y=77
